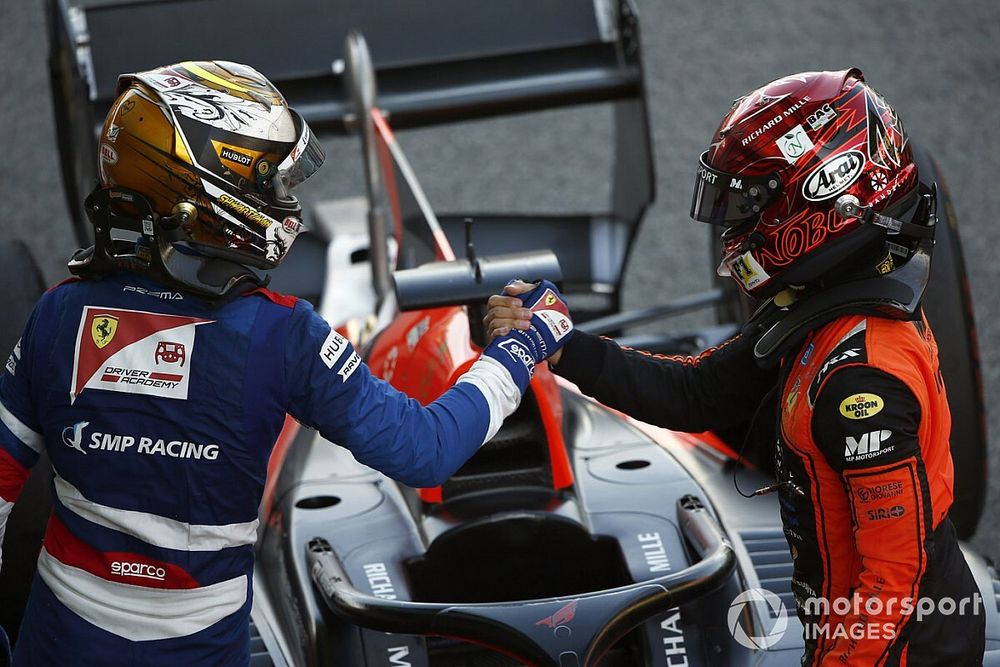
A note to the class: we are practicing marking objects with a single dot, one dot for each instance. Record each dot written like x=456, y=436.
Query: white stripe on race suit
x=860, y=326
x=495, y=384
x=20, y=431
x=154, y=529
x=5, y=508
x=139, y=613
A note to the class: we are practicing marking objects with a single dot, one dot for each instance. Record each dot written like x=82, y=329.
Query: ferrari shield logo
x=102, y=330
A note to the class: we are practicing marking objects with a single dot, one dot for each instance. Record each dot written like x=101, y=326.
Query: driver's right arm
x=716, y=389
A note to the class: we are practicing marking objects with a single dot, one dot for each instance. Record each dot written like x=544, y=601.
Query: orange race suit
x=865, y=473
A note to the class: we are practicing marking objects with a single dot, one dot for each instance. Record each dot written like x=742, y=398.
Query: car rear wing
x=435, y=62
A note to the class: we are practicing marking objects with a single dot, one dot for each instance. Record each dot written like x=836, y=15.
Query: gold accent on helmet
x=150, y=155
x=236, y=158
x=207, y=76
x=236, y=206
x=205, y=137
x=181, y=149
x=184, y=213
x=234, y=79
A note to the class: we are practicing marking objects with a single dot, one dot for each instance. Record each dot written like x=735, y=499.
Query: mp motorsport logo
x=743, y=625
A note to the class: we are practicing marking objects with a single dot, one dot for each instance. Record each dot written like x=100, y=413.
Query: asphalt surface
x=938, y=63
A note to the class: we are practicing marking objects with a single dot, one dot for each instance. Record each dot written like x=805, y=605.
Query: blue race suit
x=159, y=412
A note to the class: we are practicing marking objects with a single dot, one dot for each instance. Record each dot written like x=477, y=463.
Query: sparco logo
x=233, y=156
x=833, y=176
x=518, y=353
x=144, y=570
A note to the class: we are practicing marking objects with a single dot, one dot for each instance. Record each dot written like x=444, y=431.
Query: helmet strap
x=778, y=330
x=848, y=206
x=158, y=249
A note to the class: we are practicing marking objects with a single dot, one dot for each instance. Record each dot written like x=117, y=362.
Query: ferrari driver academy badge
x=554, y=314
x=133, y=352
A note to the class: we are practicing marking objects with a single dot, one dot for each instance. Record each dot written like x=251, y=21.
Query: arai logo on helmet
x=833, y=176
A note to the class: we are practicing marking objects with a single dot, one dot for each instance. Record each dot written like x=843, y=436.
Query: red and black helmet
x=779, y=162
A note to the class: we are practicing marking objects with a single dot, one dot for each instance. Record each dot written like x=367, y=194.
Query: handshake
x=526, y=325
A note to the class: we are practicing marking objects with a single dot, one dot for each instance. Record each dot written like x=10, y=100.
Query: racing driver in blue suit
x=158, y=378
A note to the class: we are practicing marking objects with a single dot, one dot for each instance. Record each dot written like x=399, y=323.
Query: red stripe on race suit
x=118, y=566
x=67, y=281
x=274, y=297
x=13, y=475
x=166, y=376
x=109, y=378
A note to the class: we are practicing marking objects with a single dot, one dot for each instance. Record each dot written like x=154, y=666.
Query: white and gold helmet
x=210, y=150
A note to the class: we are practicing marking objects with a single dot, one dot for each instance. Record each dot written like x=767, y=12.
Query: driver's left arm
x=21, y=441
x=877, y=451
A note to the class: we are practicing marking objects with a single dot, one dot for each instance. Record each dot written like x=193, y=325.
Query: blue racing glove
x=551, y=327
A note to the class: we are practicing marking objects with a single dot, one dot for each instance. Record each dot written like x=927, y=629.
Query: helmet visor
x=728, y=200
x=306, y=157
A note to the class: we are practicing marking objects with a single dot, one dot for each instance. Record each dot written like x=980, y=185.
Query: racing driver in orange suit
x=825, y=220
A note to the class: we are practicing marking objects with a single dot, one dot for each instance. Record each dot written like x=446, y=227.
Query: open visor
x=729, y=200
x=306, y=157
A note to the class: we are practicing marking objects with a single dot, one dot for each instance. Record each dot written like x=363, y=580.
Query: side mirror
x=462, y=282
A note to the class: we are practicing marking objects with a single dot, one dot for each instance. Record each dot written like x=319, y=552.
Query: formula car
x=576, y=536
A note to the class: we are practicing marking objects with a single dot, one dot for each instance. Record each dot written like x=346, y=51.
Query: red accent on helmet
x=777, y=164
